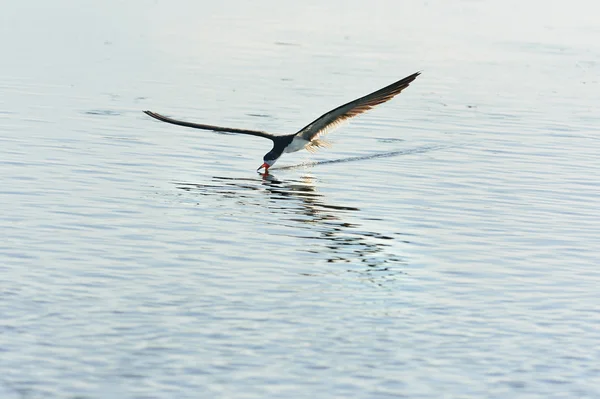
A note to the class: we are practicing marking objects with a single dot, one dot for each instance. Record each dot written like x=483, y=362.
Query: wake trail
x=418, y=150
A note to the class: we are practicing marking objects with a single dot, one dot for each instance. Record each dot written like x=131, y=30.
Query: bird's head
x=269, y=160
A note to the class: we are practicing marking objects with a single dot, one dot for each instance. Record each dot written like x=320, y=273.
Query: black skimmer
x=308, y=136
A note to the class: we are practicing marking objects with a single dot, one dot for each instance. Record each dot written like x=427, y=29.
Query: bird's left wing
x=209, y=127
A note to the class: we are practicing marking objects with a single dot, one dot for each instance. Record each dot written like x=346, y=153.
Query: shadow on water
x=322, y=224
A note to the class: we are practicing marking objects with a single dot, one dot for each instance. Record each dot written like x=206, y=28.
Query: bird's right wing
x=209, y=127
x=333, y=118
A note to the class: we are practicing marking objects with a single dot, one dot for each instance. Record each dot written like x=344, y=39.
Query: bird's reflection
x=299, y=202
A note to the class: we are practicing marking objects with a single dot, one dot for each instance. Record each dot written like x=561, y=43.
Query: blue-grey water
x=446, y=246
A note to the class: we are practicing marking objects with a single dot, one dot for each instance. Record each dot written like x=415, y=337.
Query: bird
x=309, y=136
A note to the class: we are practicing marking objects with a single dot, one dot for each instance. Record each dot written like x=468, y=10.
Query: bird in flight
x=308, y=136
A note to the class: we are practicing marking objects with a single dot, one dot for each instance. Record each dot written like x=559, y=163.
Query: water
x=445, y=246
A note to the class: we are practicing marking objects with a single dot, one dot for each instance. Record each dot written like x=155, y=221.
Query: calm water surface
x=447, y=245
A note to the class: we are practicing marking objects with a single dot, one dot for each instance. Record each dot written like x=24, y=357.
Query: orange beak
x=264, y=165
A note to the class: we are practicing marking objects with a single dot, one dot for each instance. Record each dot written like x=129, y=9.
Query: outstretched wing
x=333, y=118
x=209, y=127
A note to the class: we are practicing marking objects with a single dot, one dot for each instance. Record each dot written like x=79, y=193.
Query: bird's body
x=298, y=143
x=307, y=137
